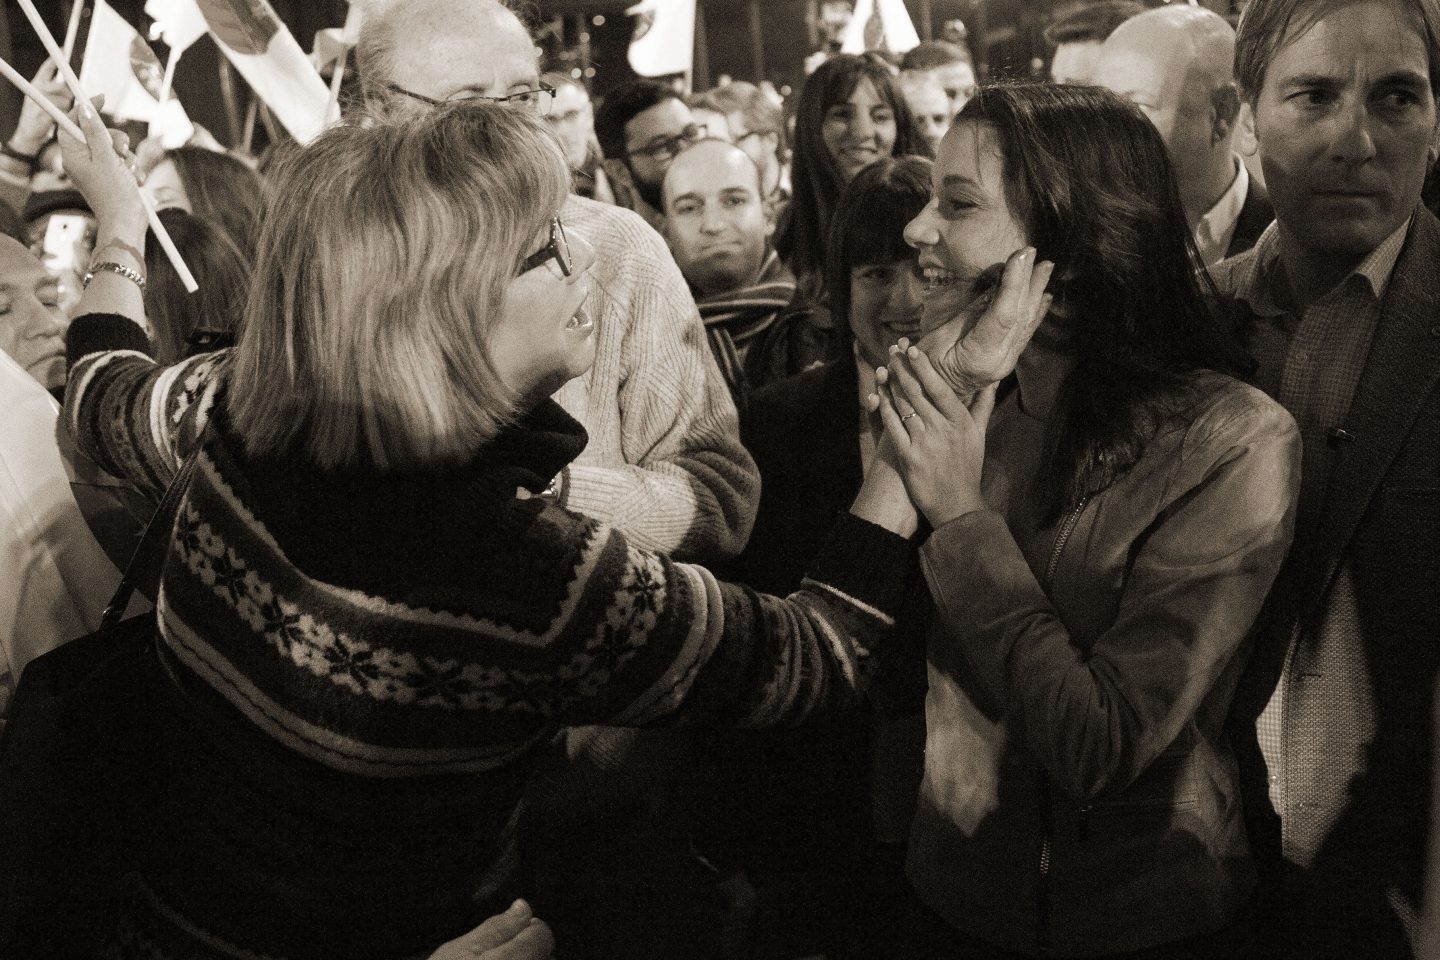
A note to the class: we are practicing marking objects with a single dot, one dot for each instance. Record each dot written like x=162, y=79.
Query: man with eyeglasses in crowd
x=572, y=120
x=641, y=126
x=664, y=463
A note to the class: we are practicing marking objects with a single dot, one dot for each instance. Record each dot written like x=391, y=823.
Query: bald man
x=717, y=228
x=1174, y=63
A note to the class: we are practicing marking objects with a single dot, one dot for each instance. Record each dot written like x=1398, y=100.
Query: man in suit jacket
x=1174, y=63
x=1342, y=304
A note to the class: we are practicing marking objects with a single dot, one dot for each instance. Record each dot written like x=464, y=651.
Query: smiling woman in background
x=817, y=816
x=213, y=186
x=850, y=113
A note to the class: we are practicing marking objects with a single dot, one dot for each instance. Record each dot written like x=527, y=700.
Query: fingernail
x=519, y=907
x=913, y=353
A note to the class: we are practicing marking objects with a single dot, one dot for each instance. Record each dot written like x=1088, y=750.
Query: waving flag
x=897, y=31
x=261, y=47
x=120, y=64
x=179, y=23
x=664, y=39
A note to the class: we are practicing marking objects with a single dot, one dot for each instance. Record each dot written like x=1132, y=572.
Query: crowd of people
x=933, y=518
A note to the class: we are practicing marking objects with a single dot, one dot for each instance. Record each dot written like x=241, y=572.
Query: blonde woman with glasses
x=373, y=611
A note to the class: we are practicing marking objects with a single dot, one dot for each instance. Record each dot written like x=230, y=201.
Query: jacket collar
x=1402, y=370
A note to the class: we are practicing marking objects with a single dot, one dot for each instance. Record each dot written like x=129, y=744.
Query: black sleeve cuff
x=99, y=332
x=866, y=562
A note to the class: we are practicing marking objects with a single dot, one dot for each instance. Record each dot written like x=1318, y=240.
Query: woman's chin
x=943, y=305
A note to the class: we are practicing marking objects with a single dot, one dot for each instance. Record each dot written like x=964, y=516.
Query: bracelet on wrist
x=129, y=273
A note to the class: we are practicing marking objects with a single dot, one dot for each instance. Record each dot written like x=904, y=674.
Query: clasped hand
x=935, y=399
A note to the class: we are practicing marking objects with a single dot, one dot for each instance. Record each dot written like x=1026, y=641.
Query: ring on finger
x=912, y=413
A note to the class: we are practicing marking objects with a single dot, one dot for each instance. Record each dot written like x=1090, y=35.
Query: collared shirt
x=1217, y=228
x=1312, y=364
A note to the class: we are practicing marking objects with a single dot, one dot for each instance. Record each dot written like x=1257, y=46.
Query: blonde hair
x=382, y=265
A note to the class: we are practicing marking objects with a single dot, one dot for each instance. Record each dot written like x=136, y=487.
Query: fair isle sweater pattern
x=593, y=628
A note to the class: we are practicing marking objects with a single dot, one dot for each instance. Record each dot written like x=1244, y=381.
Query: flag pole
x=337, y=77
x=252, y=113
x=72, y=29
x=156, y=227
x=168, y=80
x=166, y=83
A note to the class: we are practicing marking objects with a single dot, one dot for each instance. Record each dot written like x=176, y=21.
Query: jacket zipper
x=1042, y=899
x=1067, y=527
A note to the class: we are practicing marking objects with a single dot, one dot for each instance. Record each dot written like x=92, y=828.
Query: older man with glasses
x=664, y=461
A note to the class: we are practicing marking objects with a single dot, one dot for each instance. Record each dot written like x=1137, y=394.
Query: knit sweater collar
x=378, y=531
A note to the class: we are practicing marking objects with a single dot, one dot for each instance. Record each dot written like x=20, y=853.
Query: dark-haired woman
x=850, y=114
x=184, y=324
x=1102, y=543
x=214, y=186
x=817, y=815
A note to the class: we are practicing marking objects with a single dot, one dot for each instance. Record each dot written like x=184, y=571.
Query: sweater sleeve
x=133, y=417
x=665, y=463
x=684, y=645
x=1097, y=718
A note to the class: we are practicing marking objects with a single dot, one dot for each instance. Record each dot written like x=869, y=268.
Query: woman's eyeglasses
x=558, y=249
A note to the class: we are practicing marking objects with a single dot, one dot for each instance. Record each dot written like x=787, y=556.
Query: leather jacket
x=1080, y=795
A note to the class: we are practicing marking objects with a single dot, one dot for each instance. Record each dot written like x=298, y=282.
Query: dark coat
x=797, y=808
x=804, y=433
x=1381, y=521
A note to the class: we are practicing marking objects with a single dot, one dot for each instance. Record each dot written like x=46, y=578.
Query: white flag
x=664, y=39
x=120, y=64
x=262, y=48
x=897, y=29
x=177, y=22
x=333, y=43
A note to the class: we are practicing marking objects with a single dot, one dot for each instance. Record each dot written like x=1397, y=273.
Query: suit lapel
x=1403, y=369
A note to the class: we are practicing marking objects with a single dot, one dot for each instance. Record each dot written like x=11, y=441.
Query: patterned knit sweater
x=362, y=662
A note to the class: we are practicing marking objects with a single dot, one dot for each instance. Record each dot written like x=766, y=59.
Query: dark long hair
x=224, y=191
x=214, y=312
x=815, y=176
x=1089, y=175
x=869, y=226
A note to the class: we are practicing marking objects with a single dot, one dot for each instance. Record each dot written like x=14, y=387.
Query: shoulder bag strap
x=143, y=570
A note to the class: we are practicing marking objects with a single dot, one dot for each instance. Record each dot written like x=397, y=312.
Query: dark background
x=763, y=39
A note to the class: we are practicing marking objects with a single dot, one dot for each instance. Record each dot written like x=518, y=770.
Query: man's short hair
x=623, y=104
x=1266, y=23
x=759, y=180
x=1089, y=22
x=934, y=53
